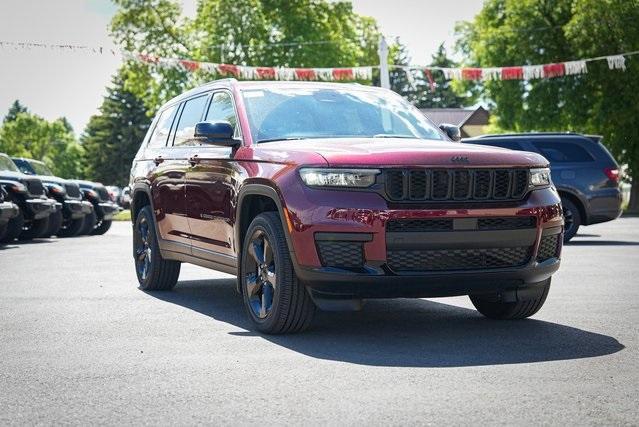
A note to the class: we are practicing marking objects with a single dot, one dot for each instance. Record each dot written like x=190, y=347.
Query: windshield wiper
x=388, y=135
x=279, y=139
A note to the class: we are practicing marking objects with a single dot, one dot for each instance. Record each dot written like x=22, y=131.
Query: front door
x=212, y=181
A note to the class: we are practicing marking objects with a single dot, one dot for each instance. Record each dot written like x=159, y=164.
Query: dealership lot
x=80, y=343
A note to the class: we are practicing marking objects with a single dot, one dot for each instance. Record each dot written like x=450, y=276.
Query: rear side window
x=563, y=152
x=512, y=145
x=191, y=115
x=162, y=129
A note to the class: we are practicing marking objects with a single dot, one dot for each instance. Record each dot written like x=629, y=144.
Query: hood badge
x=459, y=159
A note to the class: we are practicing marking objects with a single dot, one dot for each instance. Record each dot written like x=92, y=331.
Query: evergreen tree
x=113, y=136
x=15, y=109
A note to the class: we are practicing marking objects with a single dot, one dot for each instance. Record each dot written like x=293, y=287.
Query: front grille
x=35, y=187
x=548, y=248
x=457, y=259
x=341, y=254
x=418, y=185
x=447, y=224
x=73, y=190
x=103, y=193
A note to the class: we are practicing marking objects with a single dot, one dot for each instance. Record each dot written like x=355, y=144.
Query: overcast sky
x=54, y=83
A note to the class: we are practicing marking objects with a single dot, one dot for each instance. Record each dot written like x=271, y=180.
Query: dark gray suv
x=584, y=172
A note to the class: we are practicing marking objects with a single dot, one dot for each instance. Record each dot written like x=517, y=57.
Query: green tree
x=14, y=110
x=113, y=136
x=29, y=135
x=300, y=33
x=535, y=32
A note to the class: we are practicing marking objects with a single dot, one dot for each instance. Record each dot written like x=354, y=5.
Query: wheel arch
x=577, y=202
x=141, y=196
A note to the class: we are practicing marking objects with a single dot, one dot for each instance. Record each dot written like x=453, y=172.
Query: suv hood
x=404, y=152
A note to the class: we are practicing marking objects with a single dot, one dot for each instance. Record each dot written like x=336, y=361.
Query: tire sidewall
x=568, y=205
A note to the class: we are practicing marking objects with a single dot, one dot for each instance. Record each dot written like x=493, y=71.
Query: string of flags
x=522, y=72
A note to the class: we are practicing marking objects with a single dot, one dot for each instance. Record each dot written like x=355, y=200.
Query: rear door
x=167, y=181
x=211, y=188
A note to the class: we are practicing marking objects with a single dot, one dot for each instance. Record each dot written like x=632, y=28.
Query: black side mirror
x=215, y=133
x=452, y=131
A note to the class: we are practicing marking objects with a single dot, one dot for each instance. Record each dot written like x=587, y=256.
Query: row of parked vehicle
x=34, y=203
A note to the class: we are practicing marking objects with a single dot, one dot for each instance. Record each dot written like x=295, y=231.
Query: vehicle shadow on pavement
x=405, y=332
x=601, y=243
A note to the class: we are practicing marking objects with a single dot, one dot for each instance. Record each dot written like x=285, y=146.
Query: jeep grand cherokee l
x=68, y=221
x=321, y=195
x=582, y=169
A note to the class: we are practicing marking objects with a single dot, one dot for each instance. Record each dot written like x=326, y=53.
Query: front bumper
x=75, y=209
x=106, y=210
x=315, y=216
x=40, y=208
x=8, y=211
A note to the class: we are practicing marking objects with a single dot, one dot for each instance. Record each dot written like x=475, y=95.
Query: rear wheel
x=14, y=228
x=55, y=222
x=154, y=272
x=102, y=227
x=274, y=299
x=37, y=228
x=572, y=219
x=491, y=306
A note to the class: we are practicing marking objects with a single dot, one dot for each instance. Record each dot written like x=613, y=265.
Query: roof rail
x=507, y=135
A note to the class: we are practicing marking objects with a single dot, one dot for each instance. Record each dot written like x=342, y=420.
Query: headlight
x=57, y=189
x=325, y=177
x=19, y=187
x=540, y=177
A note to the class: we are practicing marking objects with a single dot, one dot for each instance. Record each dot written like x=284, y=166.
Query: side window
x=162, y=128
x=563, y=152
x=191, y=115
x=221, y=109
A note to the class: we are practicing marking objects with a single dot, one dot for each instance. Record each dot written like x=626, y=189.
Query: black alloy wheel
x=260, y=274
x=143, y=249
x=572, y=219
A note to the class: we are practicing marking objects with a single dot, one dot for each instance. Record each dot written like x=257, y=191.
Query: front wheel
x=37, y=228
x=73, y=228
x=55, y=223
x=102, y=228
x=491, y=306
x=14, y=228
x=89, y=223
x=154, y=272
x=275, y=300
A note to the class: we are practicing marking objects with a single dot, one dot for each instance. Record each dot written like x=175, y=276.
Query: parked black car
x=8, y=211
x=583, y=170
x=69, y=220
x=104, y=208
x=29, y=194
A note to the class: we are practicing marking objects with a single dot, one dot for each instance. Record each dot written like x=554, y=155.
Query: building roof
x=457, y=116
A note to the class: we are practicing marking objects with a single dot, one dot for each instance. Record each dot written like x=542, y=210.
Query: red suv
x=322, y=195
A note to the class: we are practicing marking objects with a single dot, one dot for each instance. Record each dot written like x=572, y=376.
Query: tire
x=14, y=228
x=37, y=228
x=55, y=222
x=73, y=228
x=154, y=272
x=3, y=232
x=491, y=307
x=102, y=228
x=274, y=299
x=572, y=219
x=89, y=223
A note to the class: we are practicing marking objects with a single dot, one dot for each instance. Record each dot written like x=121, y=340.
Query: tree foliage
x=24, y=134
x=300, y=33
x=113, y=136
x=508, y=32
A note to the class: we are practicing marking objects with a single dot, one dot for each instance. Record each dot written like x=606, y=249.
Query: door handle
x=158, y=160
x=194, y=160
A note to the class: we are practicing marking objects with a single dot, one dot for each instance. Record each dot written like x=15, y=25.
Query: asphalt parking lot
x=79, y=343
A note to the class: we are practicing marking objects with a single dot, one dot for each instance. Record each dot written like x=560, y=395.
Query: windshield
x=299, y=113
x=40, y=168
x=7, y=165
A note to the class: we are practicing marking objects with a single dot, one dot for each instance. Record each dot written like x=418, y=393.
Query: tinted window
x=512, y=145
x=191, y=115
x=221, y=109
x=23, y=165
x=562, y=152
x=162, y=129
